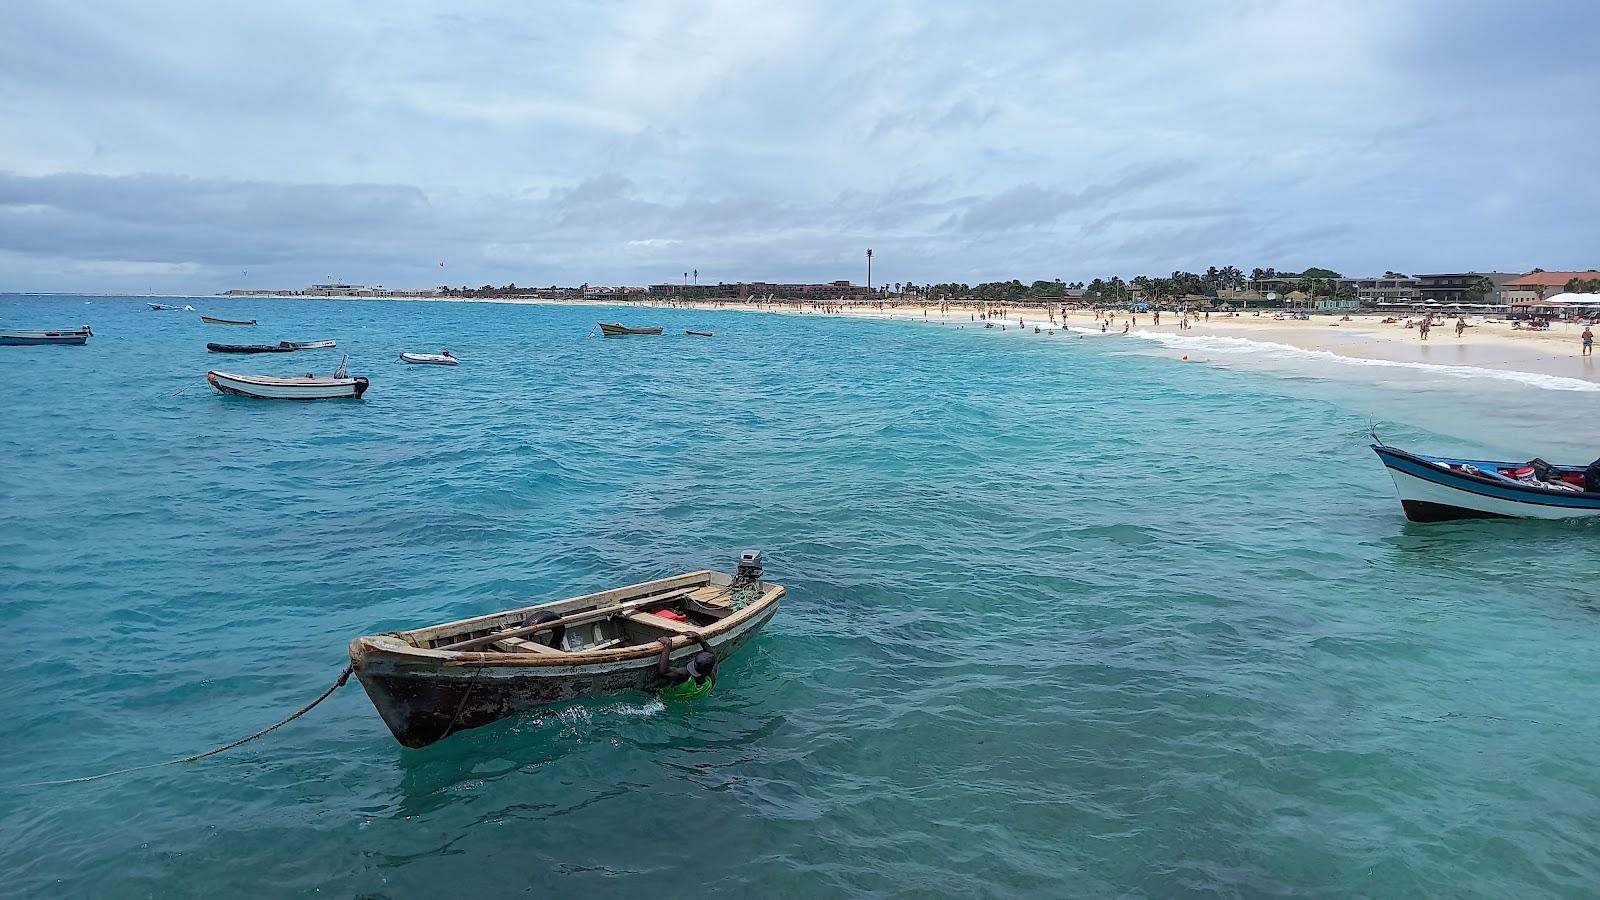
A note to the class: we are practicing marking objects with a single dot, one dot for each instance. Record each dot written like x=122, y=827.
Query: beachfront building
x=831, y=292
x=1541, y=285
x=1445, y=288
x=1373, y=291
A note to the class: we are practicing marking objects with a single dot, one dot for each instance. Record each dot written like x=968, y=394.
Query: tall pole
x=869, y=268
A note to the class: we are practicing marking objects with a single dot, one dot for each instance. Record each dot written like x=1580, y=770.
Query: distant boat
x=432, y=682
x=212, y=320
x=615, y=330
x=305, y=387
x=700, y=333
x=429, y=359
x=1443, y=489
x=78, y=336
x=162, y=307
x=280, y=347
x=311, y=345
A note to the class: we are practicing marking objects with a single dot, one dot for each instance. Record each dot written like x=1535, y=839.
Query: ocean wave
x=1232, y=346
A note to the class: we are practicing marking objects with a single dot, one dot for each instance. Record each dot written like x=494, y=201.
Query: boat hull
x=428, y=359
x=214, y=321
x=615, y=330
x=312, y=345
x=47, y=338
x=260, y=387
x=424, y=695
x=1430, y=492
x=250, y=348
x=420, y=707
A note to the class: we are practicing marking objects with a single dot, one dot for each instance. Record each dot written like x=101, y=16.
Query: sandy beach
x=1485, y=344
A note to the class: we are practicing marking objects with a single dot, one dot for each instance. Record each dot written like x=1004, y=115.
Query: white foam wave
x=1237, y=346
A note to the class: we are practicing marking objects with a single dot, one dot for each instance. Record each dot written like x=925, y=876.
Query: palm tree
x=1481, y=288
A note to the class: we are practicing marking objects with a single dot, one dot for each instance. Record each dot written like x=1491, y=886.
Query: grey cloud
x=1031, y=205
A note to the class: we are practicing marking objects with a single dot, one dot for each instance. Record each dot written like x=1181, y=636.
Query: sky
x=199, y=146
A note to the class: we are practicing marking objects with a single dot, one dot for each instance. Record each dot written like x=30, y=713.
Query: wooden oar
x=580, y=618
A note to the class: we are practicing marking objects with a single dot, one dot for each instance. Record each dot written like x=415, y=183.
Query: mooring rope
x=343, y=677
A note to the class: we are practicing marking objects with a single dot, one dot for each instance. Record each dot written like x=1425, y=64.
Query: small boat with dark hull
x=613, y=329
x=162, y=307
x=699, y=334
x=280, y=347
x=65, y=337
x=213, y=320
x=435, y=681
x=1443, y=489
x=340, y=386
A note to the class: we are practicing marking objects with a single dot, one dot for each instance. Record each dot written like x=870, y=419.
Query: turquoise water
x=1064, y=619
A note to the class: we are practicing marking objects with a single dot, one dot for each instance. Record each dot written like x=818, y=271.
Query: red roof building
x=1539, y=285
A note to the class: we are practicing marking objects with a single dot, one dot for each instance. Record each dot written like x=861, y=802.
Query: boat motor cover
x=1591, y=477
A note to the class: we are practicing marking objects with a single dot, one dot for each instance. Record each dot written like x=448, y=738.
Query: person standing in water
x=1588, y=341
x=687, y=682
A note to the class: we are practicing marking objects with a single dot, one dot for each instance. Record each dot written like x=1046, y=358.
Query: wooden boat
x=162, y=307
x=78, y=336
x=430, y=359
x=1443, y=489
x=431, y=682
x=700, y=333
x=280, y=347
x=615, y=330
x=312, y=345
x=212, y=320
x=304, y=387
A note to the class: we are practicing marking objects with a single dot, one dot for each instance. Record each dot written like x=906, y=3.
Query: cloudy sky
x=178, y=146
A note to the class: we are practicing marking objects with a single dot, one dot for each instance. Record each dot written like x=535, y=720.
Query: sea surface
x=1067, y=616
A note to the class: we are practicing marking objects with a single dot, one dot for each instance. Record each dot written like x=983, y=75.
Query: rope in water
x=343, y=677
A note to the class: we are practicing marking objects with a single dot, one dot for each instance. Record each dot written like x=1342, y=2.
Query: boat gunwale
x=395, y=646
x=1466, y=482
x=287, y=380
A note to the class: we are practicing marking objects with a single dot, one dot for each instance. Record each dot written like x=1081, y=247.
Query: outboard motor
x=749, y=569
x=747, y=579
x=1591, y=477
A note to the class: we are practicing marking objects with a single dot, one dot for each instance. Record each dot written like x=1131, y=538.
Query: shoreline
x=1489, y=347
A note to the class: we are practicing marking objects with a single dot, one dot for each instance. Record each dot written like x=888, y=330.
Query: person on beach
x=1588, y=341
x=1103, y=324
x=1124, y=327
x=692, y=681
x=1461, y=326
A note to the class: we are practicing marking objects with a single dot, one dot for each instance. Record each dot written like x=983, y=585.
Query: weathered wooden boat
x=429, y=359
x=280, y=347
x=1443, y=489
x=700, y=333
x=162, y=307
x=75, y=336
x=616, y=330
x=304, y=387
x=312, y=345
x=435, y=681
x=213, y=320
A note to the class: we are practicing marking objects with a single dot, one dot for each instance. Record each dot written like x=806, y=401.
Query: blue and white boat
x=1444, y=489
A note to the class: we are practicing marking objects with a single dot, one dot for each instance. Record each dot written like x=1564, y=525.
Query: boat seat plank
x=655, y=621
x=518, y=645
x=712, y=595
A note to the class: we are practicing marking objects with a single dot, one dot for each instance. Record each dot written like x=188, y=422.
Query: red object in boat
x=672, y=614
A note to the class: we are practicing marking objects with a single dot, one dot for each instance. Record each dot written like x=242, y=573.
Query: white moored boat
x=311, y=345
x=340, y=386
x=430, y=359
